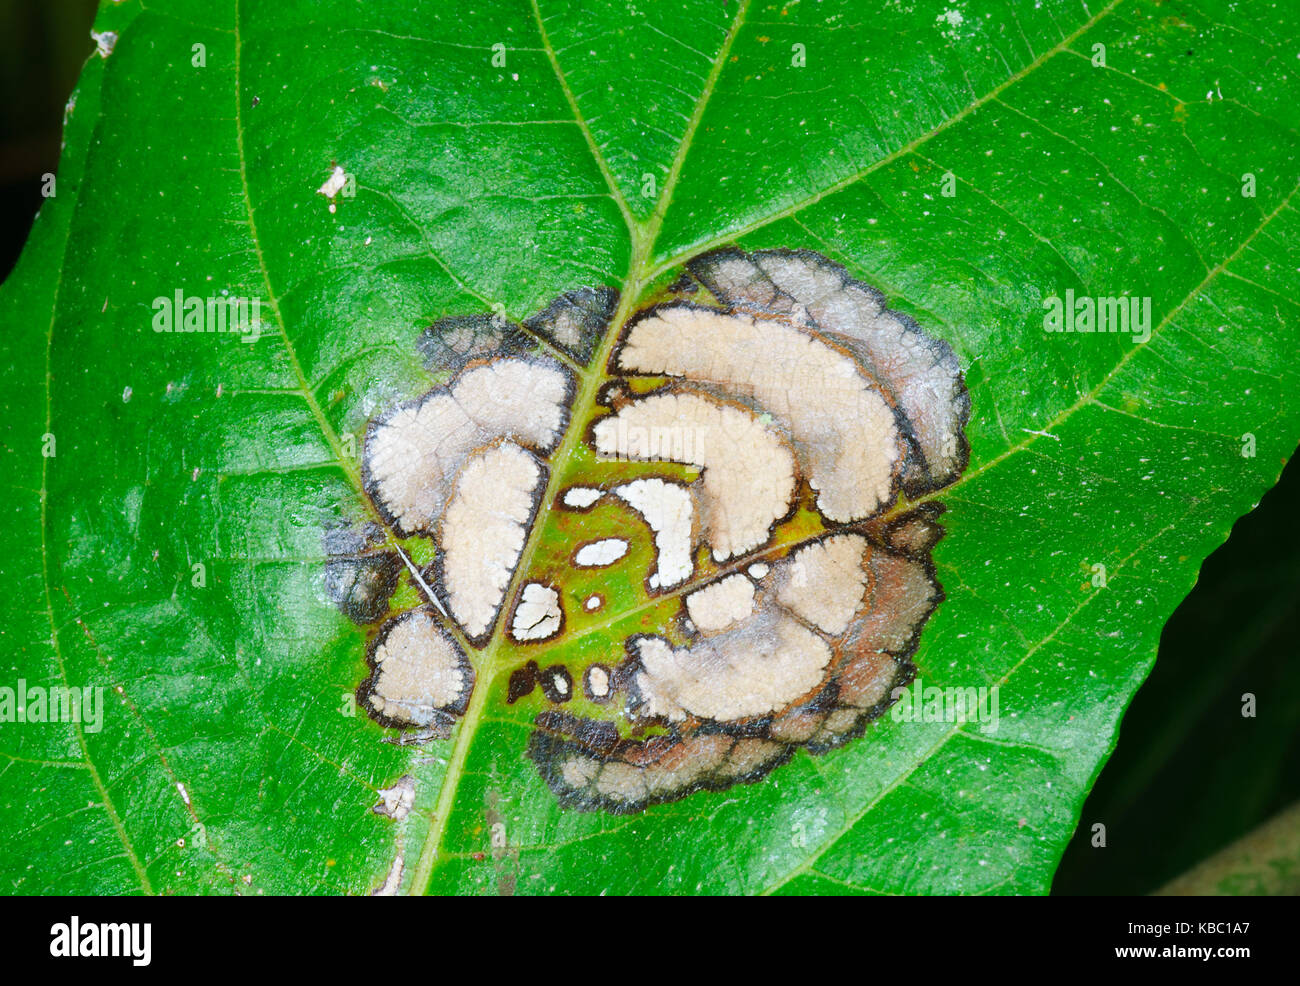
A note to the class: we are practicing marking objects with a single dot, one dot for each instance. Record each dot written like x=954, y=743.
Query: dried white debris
x=104, y=42
x=334, y=183
x=396, y=802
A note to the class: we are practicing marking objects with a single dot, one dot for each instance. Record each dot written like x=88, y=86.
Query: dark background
x=1190, y=774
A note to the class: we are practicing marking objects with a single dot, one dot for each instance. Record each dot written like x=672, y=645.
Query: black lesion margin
x=519, y=598
x=549, y=678
x=452, y=343
x=609, y=684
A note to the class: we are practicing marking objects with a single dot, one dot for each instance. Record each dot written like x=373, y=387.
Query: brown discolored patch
x=522, y=682
x=362, y=586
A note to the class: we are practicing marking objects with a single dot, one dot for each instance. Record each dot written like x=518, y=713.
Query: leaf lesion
x=818, y=612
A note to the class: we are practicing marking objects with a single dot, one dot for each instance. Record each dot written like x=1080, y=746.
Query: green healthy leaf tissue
x=696, y=447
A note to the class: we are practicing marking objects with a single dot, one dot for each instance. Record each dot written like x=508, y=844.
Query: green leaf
x=226, y=760
x=1260, y=863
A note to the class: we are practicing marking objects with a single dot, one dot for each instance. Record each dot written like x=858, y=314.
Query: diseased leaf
x=820, y=284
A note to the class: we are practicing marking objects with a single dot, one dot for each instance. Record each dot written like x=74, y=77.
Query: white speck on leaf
x=334, y=183
x=104, y=42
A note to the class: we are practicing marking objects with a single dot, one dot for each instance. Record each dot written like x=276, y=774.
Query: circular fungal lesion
x=767, y=417
x=556, y=683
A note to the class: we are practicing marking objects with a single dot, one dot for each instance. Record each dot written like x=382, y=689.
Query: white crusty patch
x=419, y=671
x=483, y=532
x=748, y=469
x=579, y=771
x=598, y=554
x=413, y=456
x=844, y=427
x=824, y=582
x=722, y=604
x=334, y=183
x=756, y=669
x=395, y=802
x=538, y=615
x=759, y=569
x=517, y=398
x=592, y=604
x=669, y=512
x=105, y=42
x=564, y=328
x=581, y=497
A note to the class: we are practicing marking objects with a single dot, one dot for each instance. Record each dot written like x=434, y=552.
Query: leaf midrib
x=642, y=236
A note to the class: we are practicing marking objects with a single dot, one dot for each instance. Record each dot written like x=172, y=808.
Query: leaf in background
x=173, y=548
